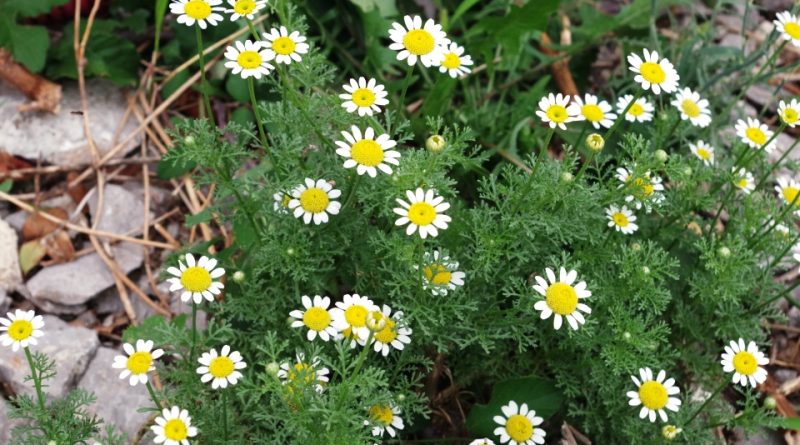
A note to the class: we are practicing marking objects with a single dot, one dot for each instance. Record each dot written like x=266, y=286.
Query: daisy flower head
x=364, y=96
x=284, y=46
x=788, y=189
x=453, y=61
x=245, y=8
x=317, y=318
x=350, y=317
x=654, y=394
x=314, y=200
x=281, y=202
x=137, y=362
x=640, y=111
x=743, y=180
x=384, y=419
x=173, y=427
x=703, y=151
x=202, y=12
x=221, y=369
x=393, y=332
x=553, y=110
x=424, y=212
x=622, y=219
x=789, y=112
x=789, y=26
x=692, y=107
x=755, y=134
x=483, y=441
x=304, y=373
x=562, y=298
x=654, y=73
x=745, y=362
x=20, y=329
x=591, y=109
x=248, y=59
x=196, y=279
x=417, y=41
x=367, y=153
x=518, y=425
x=440, y=274
x=644, y=190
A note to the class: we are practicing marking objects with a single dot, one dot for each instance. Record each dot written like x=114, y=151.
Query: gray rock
x=66, y=288
x=784, y=375
x=5, y=302
x=785, y=142
x=17, y=219
x=5, y=422
x=10, y=274
x=59, y=138
x=117, y=401
x=179, y=307
x=70, y=347
x=762, y=437
x=122, y=212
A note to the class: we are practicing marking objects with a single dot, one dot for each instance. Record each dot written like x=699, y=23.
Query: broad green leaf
x=387, y=8
x=6, y=185
x=30, y=254
x=243, y=231
x=237, y=88
x=172, y=167
x=462, y=8
x=508, y=31
x=202, y=217
x=29, y=46
x=439, y=96
x=160, y=12
x=32, y=8
x=789, y=423
x=155, y=328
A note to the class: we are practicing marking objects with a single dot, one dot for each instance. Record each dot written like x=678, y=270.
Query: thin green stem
x=708, y=400
x=203, y=82
x=194, y=332
x=355, y=181
x=543, y=152
x=362, y=356
x=259, y=122
x=752, y=79
x=722, y=206
x=224, y=417
x=585, y=165
x=775, y=165
x=252, y=29
x=757, y=239
x=406, y=83
x=153, y=394
x=37, y=379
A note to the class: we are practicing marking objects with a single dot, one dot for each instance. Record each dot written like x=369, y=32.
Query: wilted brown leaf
x=37, y=226
x=59, y=246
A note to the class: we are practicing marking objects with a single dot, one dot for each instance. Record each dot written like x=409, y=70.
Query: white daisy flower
x=640, y=111
x=316, y=318
x=281, y=202
x=591, y=109
x=622, y=219
x=302, y=374
x=692, y=107
x=315, y=200
x=755, y=134
x=562, y=299
x=789, y=26
x=789, y=112
x=196, y=279
x=173, y=427
x=202, y=12
x=518, y=425
x=745, y=363
x=367, y=153
x=365, y=96
x=385, y=419
x=554, y=112
x=285, y=47
x=484, y=441
x=416, y=41
x=221, y=369
x=248, y=59
x=138, y=361
x=394, y=334
x=645, y=190
x=424, y=211
x=703, y=151
x=20, y=329
x=788, y=190
x=454, y=62
x=440, y=273
x=653, y=73
x=654, y=395
x=245, y=8
x=743, y=180
x=350, y=317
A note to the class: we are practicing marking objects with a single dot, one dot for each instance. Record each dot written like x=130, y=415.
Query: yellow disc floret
x=437, y=274
x=314, y=200
x=244, y=7
x=519, y=428
x=419, y=42
x=139, y=362
x=561, y=298
x=653, y=395
x=197, y=9
x=790, y=193
x=652, y=72
x=20, y=330
x=388, y=333
x=690, y=108
x=196, y=279
x=421, y=213
x=793, y=29
x=451, y=61
x=316, y=318
x=221, y=367
x=592, y=113
x=756, y=135
x=620, y=219
x=745, y=363
x=363, y=97
x=636, y=110
x=249, y=59
x=367, y=152
x=382, y=414
x=283, y=46
x=557, y=114
x=356, y=316
x=175, y=430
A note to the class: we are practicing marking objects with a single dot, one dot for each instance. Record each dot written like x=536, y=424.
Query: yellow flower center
x=249, y=59
x=793, y=29
x=745, y=363
x=244, y=7
x=356, y=316
x=790, y=115
x=790, y=194
x=196, y=279
x=363, y=97
x=557, y=114
x=367, y=152
x=592, y=113
x=176, y=430
x=316, y=318
x=652, y=72
x=221, y=367
x=20, y=330
x=690, y=108
x=636, y=110
x=653, y=395
x=704, y=154
x=421, y=213
x=197, y=9
x=441, y=275
x=561, y=298
x=644, y=189
x=139, y=362
x=303, y=370
x=742, y=182
x=756, y=135
x=419, y=42
x=285, y=201
x=382, y=414
x=519, y=428
x=620, y=219
x=314, y=200
x=388, y=333
x=451, y=61
x=283, y=46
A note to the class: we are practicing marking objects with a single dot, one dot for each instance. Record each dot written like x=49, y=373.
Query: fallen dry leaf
x=36, y=226
x=31, y=254
x=59, y=247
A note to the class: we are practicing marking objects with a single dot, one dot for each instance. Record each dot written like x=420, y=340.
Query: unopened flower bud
x=401, y=398
x=687, y=171
x=376, y=321
x=238, y=276
x=645, y=270
x=724, y=252
x=290, y=251
x=435, y=143
x=626, y=335
x=770, y=402
x=272, y=369
x=661, y=155
x=636, y=247
x=567, y=177
x=189, y=140
x=670, y=432
x=595, y=142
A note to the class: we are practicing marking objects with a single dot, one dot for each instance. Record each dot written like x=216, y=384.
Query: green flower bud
x=238, y=276
x=670, y=432
x=724, y=252
x=435, y=143
x=770, y=402
x=272, y=369
x=661, y=155
x=595, y=142
x=567, y=177
x=189, y=140
x=636, y=247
